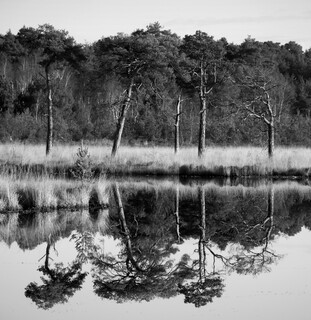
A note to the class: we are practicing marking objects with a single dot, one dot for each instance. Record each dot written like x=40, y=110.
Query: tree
x=10, y=53
x=135, y=61
x=56, y=49
x=264, y=95
x=202, y=69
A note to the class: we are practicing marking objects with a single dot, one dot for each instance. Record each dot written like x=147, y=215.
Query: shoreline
x=48, y=194
x=145, y=170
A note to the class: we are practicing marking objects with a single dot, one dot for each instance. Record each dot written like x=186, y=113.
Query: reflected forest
x=170, y=240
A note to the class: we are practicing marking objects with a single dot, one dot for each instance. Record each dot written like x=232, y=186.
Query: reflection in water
x=252, y=260
x=176, y=214
x=207, y=286
x=59, y=282
x=143, y=269
x=233, y=229
x=31, y=229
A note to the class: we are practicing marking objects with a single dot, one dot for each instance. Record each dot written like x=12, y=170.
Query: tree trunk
x=271, y=139
x=49, y=138
x=4, y=67
x=177, y=129
x=201, y=145
x=121, y=120
x=37, y=109
x=202, y=129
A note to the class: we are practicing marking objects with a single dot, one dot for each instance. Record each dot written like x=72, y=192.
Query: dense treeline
x=131, y=85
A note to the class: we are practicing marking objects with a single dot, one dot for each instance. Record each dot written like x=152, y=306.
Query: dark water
x=163, y=251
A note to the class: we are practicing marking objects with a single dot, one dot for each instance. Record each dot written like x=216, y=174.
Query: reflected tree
x=143, y=269
x=84, y=243
x=208, y=285
x=259, y=258
x=59, y=282
x=254, y=258
x=137, y=273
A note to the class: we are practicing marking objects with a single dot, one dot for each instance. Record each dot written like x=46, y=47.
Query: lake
x=162, y=250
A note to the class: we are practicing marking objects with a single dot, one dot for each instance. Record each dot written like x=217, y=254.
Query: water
x=163, y=250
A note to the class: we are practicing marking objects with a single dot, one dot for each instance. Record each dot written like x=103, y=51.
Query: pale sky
x=89, y=20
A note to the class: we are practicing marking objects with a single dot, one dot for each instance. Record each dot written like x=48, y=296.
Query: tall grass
x=161, y=160
x=47, y=194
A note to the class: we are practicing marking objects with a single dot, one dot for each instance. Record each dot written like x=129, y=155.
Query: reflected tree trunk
x=125, y=229
x=176, y=213
x=270, y=216
x=202, y=240
x=47, y=259
x=47, y=255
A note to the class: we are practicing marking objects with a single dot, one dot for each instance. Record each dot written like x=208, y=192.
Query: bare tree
x=177, y=124
x=264, y=95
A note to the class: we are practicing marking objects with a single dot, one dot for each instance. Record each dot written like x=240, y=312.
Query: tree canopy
x=84, y=88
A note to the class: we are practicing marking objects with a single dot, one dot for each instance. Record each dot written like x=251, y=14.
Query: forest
x=153, y=88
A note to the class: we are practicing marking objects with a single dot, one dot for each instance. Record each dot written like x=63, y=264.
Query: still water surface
x=163, y=251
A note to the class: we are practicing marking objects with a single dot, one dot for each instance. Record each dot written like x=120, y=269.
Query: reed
x=46, y=194
x=217, y=161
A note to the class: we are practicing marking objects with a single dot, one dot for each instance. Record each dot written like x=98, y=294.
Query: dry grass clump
x=8, y=196
x=46, y=193
x=36, y=194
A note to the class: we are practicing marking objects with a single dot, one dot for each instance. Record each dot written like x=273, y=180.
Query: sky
x=90, y=20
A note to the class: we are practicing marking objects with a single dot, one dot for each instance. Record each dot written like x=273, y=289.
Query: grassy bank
x=223, y=162
x=47, y=194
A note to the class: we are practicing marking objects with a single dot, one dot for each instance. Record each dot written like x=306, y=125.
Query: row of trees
x=153, y=86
